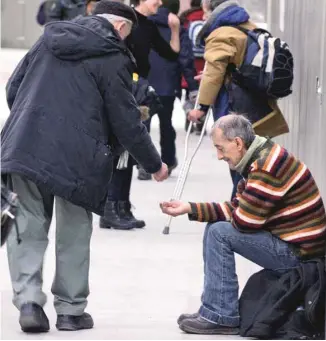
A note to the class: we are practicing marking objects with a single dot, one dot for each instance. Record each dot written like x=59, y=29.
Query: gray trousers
x=73, y=233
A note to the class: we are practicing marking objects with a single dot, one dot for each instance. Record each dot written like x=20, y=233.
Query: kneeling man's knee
x=221, y=229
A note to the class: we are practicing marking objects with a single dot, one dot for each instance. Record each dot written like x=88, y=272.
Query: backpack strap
x=257, y=30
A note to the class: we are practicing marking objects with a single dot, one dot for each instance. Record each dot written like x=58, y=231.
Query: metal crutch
x=182, y=178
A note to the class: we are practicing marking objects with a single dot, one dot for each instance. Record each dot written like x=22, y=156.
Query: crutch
x=182, y=178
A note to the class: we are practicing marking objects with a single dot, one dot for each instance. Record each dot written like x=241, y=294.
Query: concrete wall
x=19, y=28
x=302, y=25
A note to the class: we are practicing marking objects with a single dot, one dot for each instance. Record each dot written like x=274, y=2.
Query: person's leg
x=220, y=295
x=71, y=282
x=33, y=220
x=142, y=174
x=167, y=132
x=124, y=205
x=119, y=189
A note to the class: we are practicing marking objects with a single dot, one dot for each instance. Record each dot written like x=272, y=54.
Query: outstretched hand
x=175, y=208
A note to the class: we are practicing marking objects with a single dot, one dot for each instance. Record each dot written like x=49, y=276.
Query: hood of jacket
x=81, y=38
x=228, y=13
x=161, y=17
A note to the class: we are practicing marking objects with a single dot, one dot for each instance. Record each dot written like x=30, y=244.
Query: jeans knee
x=220, y=230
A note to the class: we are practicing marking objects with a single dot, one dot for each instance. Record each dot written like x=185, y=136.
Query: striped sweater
x=278, y=194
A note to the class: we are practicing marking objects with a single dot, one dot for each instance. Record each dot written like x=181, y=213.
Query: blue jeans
x=221, y=241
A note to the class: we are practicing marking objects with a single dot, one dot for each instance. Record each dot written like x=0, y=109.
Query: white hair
x=236, y=125
x=112, y=18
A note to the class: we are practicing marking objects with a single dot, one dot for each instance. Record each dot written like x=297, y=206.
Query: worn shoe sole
x=118, y=228
x=87, y=323
x=140, y=225
x=30, y=324
x=217, y=331
x=106, y=226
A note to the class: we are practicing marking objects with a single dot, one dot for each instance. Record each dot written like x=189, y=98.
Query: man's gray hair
x=236, y=125
x=212, y=4
x=112, y=18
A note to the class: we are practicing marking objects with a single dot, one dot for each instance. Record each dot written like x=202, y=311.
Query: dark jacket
x=144, y=37
x=66, y=10
x=270, y=300
x=69, y=108
x=165, y=75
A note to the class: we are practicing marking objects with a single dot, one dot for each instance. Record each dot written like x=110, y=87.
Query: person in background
x=65, y=9
x=70, y=110
x=192, y=20
x=142, y=39
x=90, y=6
x=225, y=45
x=165, y=77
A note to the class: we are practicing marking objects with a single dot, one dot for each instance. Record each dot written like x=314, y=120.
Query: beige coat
x=227, y=45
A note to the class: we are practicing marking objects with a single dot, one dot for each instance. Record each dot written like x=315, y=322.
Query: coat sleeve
x=123, y=116
x=15, y=80
x=218, y=52
x=55, y=11
x=186, y=60
x=161, y=46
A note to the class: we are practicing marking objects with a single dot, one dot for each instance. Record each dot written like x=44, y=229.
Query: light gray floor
x=141, y=280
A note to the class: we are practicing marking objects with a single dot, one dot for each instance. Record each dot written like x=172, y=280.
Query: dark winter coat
x=165, y=75
x=71, y=103
x=270, y=300
x=66, y=10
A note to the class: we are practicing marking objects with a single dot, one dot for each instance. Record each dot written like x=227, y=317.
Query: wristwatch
x=203, y=107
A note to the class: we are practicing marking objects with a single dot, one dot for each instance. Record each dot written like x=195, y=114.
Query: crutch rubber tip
x=166, y=230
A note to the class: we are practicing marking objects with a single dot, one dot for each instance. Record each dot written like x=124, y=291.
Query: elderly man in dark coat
x=71, y=108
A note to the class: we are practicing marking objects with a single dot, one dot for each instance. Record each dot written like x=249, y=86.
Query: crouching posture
x=277, y=220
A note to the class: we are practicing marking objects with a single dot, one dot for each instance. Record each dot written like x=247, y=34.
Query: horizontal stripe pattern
x=280, y=196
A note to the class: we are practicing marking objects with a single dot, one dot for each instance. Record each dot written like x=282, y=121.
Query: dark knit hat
x=116, y=8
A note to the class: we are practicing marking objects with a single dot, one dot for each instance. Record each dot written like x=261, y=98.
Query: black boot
x=112, y=218
x=143, y=175
x=33, y=319
x=124, y=208
x=72, y=323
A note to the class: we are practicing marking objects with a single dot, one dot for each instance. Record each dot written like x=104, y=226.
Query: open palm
x=175, y=208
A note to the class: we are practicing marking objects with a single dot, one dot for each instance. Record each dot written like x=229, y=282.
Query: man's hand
x=195, y=115
x=173, y=22
x=162, y=174
x=175, y=208
x=199, y=77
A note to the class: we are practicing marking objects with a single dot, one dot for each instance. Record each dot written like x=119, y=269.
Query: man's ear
x=240, y=143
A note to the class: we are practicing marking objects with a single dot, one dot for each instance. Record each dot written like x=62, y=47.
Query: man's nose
x=220, y=156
